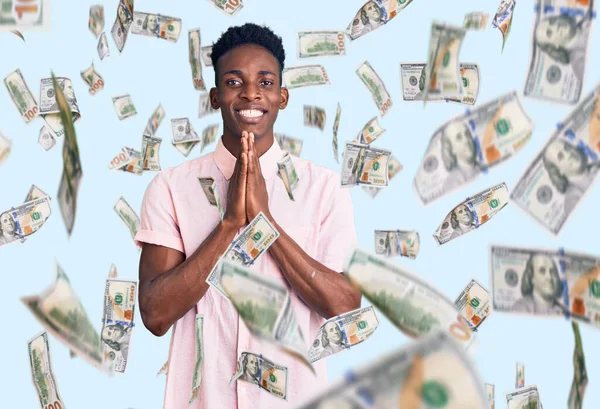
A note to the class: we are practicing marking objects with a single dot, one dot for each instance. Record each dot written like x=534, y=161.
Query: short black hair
x=248, y=33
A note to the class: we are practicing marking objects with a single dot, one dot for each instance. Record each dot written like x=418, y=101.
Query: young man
x=183, y=236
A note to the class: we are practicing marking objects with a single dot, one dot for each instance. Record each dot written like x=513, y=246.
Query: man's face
x=462, y=142
x=372, y=11
x=251, y=365
x=7, y=224
x=557, y=31
x=248, y=90
x=152, y=24
x=544, y=271
x=566, y=157
x=333, y=333
x=463, y=215
x=112, y=333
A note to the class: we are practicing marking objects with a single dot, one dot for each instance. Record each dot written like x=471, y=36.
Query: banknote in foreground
x=229, y=7
x=393, y=243
x=258, y=370
x=92, y=79
x=195, y=60
x=124, y=106
x=209, y=135
x=304, y=76
x=340, y=333
x=120, y=29
x=321, y=43
x=546, y=283
x=197, y=378
x=287, y=173
x=374, y=14
x=413, y=84
x=336, y=127
x=96, y=20
x=375, y=86
x=524, y=398
x=503, y=18
x=205, y=53
x=580, y=378
x=520, y=380
x=209, y=186
x=156, y=25
x=289, y=144
x=473, y=304
x=117, y=322
x=42, y=372
x=370, y=132
x=61, y=313
x=25, y=15
x=443, y=72
x=491, y=394
x=430, y=373
x=21, y=95
x=102, y=47
x=49, y=109
x=205, y=107
x=5, y=147
x=314, y=116
x=413, y=305
x=472, y=213
x=394, y=167
x=150, y=151
x=128, y=215
x=468, y=145
x=18, y=34
x=476, y=20
x=558, y=177
x=364, y=165
x=561, y=34
x=22, y=221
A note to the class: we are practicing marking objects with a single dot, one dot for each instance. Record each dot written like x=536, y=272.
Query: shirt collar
x=268, y=161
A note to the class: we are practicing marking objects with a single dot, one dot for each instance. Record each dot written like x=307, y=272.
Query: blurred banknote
x=394, y=167
x=524, y=398
x=25, y=15
x=124, y=106
x=229, y=7
x=195, y=60
x=258, y=370
x=209, y=135
x=120, y=28
x=128, y=215
x=520, y=380
x=490, y=390
x=96, y=20
x=375, y=86
x=21, y=95
x=476, y=20
x=183, y=131
x=472, y=213
x=321, y=43
x=370, y=132
x=431, y=373
x=150, y=151
x=209, y=187
x=580, y=378
x=156, y=25
x=413, y=305
x=473, y=304
x=503, y=18
x=289, y=144
x=561, y=34
x=413, y=84
x=304, y=76
x=314, y=116
x=287, y=173
x=42, y=372
x=340, y=333
x=49, y=109
x=374, y=14
x=468, y=145
x=5, y=147
x=393, y=243
x=154, y=121
x=545, y=282
x=559, y=176
x=205, y=106
x=46, y=139
x=92, y=79
x=22, y=221
x=127, y=160
x=120, y=297
x=102, y=47
x=336, y=127
x=364, y=165
x=443, y=71
x=197, y=378
x=61, y=313
x=205, y=53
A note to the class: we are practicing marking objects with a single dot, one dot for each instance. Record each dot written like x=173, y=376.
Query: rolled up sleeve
x=158, y=221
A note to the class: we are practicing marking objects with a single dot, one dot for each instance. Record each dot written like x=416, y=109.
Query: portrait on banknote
x=370, y=17
x=332, y=339
x=250, y=367
x=117, y=337
x=8, y=229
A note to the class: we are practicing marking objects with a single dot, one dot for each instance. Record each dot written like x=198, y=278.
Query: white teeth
x=251, y=113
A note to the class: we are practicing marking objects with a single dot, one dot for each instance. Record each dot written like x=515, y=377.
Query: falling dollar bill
x=156, y=25
x=340, y=333
x=304, y=76
x=413, y=84
x=289, y=144
x=561, y=35
x=520, y=379
x=476, y=20
x=25, y=15
x=61, y=313
x=21, y=95
x=102, y=47
x=393, y=243
x=473, y=304
x=374, y=14
x=314, y=116
x=93, y=79
x=336, y=127
x=317, y=43
x=431, y=373
x=183, y=131
x=468, y=145
x=117, y=322
x=580, y=378
x=375, y=86
x=209, y=187
x=163, y=369
x=112, y=273
x=503, y=18
x=258, y=370
x=209, y=135
x=128, y=215
x=42, y=372
x=96, y=20
x=124, y=106
x=195, y=59
x=370, y=132
x=5, y=147
x=150, y=151
x=472, y=213
x=394, y=167
x=120, y=29
x=364, y=165
x=413, y=305
x=229, y=7
x=154, y=121
x=49, y=109
x=46, y=139
x=197, y=378
x=127, y=160
x=527, y=397
x=205, y=107
x=443, y=72
x=556, y=180
x=22, y=221
x=287, y=173
x=491, y=394
x=205, y=53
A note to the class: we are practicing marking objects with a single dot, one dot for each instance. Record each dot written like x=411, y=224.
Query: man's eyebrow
x=236, y=72
x=265, y=72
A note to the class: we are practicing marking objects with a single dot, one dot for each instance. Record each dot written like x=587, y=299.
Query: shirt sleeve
x=158, y=221
x=337, y=233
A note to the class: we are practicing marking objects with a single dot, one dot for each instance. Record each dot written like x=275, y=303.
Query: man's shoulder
x=180, y=172
x=315, y=172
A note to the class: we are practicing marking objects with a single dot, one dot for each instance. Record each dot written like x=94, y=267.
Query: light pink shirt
x=176, y=214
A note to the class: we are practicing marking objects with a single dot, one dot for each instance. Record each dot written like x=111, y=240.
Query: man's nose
x=251, y=92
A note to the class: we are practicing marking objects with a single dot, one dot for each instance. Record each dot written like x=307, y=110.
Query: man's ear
x=285, y=97
x=214, y=98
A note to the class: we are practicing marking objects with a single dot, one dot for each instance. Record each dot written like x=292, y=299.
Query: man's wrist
x=229, y=228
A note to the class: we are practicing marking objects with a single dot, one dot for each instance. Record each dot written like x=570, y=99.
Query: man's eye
x=266, y=82
x=232, y=82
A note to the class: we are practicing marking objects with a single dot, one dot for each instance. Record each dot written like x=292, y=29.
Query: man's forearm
x=322, y=289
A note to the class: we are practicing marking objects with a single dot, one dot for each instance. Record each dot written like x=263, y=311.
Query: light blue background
x=154, y=71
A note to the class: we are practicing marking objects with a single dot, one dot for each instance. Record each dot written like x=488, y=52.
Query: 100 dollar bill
x=392, y=243
x=374, y=14
x=304, y=76
x=156, y=25
x=375, y=86
x=323, y=43
x=580, y=378
x=394, y=167
x=364, y=165
x=267, y=375
x=31, y=15
x=42, y=372
x=21, y=95
x=413, y=83
x=289, y=144
x=287, y=173
x=473, y=304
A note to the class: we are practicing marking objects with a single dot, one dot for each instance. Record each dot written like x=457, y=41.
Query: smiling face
x=568, y=159
x=7, y=225
x=251, y=365
x=543, y=278
x=557, y=31
x=248, y=91
x=333, y=333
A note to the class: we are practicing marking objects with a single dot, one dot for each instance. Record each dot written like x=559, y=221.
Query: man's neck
x=233, y=143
